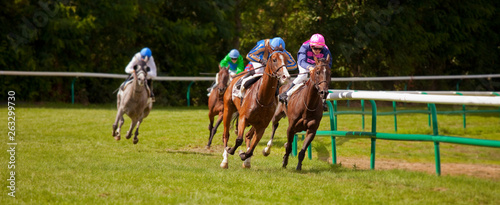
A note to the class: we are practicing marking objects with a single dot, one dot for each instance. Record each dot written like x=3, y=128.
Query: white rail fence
x=197, y=78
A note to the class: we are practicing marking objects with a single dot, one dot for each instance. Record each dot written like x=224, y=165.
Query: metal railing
x=374, y=135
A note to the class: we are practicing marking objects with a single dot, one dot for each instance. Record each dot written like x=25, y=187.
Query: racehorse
x=256, y=108
x=133, y=101
x=304, y=109
x=216, y=102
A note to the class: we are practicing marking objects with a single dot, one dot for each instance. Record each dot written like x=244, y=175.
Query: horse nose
x=323, y=93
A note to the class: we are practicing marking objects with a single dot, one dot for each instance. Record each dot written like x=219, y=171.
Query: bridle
x=316, y=85
x=274, y=74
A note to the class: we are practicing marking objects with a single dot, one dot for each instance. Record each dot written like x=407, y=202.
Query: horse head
x=321, y=76
x=141, y=72
x=276, y=66
x=223, y=80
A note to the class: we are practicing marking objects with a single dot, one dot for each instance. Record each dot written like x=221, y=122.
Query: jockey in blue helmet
x=260, y=53
x=145, y=55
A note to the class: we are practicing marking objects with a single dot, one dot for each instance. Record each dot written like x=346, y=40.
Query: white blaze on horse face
x=283, y=74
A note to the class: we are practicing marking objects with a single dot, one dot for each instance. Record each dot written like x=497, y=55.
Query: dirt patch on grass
x=452, y=169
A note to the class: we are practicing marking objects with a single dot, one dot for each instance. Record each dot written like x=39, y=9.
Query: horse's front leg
x=213, y=131
x=210, y=127
x=309, y=138
x=136, y=140
x=278, y=114
x=239, y=140
x=288, y=146
x=266, y=151
x=248, y=137
x=132, y=126
x=255, y=140
x=116, y=128
x=225, y=135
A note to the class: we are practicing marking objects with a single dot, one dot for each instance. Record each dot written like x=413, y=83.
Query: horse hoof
x=243, y=156
x=223, y=165
x=207, y=147
x=117, y=138
x=266, y=153
x=136, y=141
x=246, y=165
x=298, y=168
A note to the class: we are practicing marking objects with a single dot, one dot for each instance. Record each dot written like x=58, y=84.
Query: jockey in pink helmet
x=314, y=47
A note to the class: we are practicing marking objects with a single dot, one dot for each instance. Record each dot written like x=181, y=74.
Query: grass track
x=66, y=155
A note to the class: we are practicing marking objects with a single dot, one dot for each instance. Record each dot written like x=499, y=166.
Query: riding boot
x=211, y=88
x=283, y=96
x=150, y=85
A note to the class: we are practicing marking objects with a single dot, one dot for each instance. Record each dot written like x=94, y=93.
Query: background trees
x=367, y=38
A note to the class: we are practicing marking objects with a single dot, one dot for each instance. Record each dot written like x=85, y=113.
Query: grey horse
x=133, y=101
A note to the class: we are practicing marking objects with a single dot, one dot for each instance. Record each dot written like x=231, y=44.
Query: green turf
x=66, y=155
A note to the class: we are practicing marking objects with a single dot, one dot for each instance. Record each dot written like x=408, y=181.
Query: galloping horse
x=304, y=109
x=216, y=102
x=255, y=109
x=133, y=101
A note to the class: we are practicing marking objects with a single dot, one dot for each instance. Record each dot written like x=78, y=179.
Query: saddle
x=247, y=82
x=128, y=82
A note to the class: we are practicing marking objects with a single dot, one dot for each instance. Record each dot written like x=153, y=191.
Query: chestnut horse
x=256, y=108
x=304, y=109
x=216, y=102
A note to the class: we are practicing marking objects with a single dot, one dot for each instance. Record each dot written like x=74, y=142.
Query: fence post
x=435, y=132
x=332, y=127
x=395, y=116
x=73, y=91
x=374, y=132
x=188, y=93
x=363, y=114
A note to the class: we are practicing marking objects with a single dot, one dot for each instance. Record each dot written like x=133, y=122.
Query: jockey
x=144, y=55
x=234, y=61
x=314, y=47
x=259, y=54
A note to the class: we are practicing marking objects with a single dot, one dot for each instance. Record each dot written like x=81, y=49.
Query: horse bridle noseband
x=274, y=74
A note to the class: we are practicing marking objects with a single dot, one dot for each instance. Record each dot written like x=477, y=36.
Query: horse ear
x=328, y=59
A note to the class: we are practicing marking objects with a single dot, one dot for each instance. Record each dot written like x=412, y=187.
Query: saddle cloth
x=128, y=82
x=295, y=88
x=236, y=93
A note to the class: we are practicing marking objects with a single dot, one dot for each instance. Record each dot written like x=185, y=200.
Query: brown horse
x=304, y=109
x=255, y=109
x=216, y=102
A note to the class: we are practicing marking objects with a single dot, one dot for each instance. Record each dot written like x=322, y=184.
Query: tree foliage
x=367, y=38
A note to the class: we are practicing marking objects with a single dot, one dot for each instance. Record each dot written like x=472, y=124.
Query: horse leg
x=228, y=112
x=116, y=128
x=239, y=140
x=129, y=132
x=255, y=141
x=288, y=147
x=276, y=118
x=210, y=127
x=136, y=140
x=120, y=124
x=213, y=131
x=248, y=137
x=307, y=142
